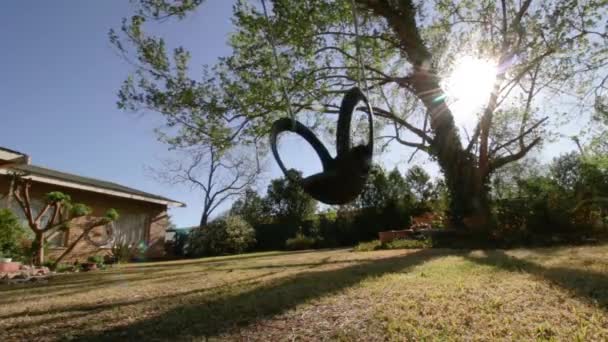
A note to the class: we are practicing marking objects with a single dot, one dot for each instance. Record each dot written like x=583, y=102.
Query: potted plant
x=4, y=258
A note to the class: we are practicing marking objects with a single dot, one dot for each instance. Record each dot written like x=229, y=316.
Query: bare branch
x=218, y=174
x=389, y=115
x=43, y=211
x=502, y=161
x=520, y=136
x=523, y=9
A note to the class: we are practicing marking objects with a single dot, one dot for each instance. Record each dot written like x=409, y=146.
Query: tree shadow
x=83, y=309
x=209, y=317
x=223, y=259
x=93, y=282
x=588, y=285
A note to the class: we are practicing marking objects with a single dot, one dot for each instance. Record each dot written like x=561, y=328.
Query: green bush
x=11, y=235
x=80, y=209
x=177, y=246
x=112, y=214
x=50, y=263
x=368, y=246
x=63, y=268
x=300, y=242
x=226, y=235
x=408, y=244
x=96, y=259
x=395, y=244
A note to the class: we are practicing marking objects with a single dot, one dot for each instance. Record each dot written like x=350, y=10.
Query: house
x=143, y=216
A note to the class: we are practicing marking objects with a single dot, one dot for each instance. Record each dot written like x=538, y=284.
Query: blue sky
x=60, y=77
x=58, y=93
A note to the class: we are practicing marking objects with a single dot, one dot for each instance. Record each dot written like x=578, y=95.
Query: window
x=131, y=228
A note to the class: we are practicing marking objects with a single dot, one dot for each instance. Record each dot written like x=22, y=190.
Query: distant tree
x=505, y=182
x=251, y=207
x=288, y=201
x=419, y=183
x=219, y=175
x=376, y=191
x=58, y=214
x=398, y=189
x=440, y=199
x=581, y=178
x=382, y=189
x=566, y=170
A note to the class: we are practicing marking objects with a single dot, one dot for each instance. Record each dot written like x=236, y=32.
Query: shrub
x=408, y=244
x=96, y=259
x=227, y=235
x=300, y=242
x=63, y=268
x=80, y=209
x=177, y=246
x=112, y=214
x=368, y=246
x=50, y=264
x=395, y=244
x=11, y=235
x=121, y=252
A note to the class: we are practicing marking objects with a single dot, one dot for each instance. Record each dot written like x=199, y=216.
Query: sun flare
x=469, y=85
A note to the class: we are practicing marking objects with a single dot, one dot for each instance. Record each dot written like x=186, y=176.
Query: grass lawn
x=539, y=294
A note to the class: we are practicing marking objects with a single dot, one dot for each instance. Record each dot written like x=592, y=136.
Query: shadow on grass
x=208, y=317
x=69, y=286
x=84, y=309
x=588, y=285
x=222, y=259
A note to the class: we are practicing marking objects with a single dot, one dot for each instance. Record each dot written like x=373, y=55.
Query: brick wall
x=156, y=224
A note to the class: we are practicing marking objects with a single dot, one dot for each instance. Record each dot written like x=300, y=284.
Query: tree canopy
x=543, y=52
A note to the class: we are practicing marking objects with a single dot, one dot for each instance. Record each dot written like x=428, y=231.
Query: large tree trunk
x=469, y=196
x=466, y=182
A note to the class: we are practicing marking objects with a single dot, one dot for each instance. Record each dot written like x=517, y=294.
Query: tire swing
x=105, y=240
x=343, y=177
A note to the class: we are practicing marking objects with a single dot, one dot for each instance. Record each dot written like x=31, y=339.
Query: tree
x=57, y=214
x=384, y=189
x=11, y=234
x=419, y=183
x=376, y=191
x=584, y=181
x=287, y=200
x=398, y=189
x=218, y=174
x=542, y=49
x=251, y=207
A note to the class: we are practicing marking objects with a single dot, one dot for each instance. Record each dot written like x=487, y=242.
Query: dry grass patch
x=541, y=294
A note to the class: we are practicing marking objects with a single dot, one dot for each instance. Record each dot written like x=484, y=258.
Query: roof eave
x=96, y=189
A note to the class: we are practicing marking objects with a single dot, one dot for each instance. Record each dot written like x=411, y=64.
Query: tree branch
x=502, y=161
x=520, y=136
x=388, y=115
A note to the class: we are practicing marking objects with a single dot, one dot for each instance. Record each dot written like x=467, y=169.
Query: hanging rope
x=343, y=177
x=362, y=81
x=270, y=38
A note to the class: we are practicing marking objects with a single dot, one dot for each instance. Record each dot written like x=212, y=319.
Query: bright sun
x=469, y=86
